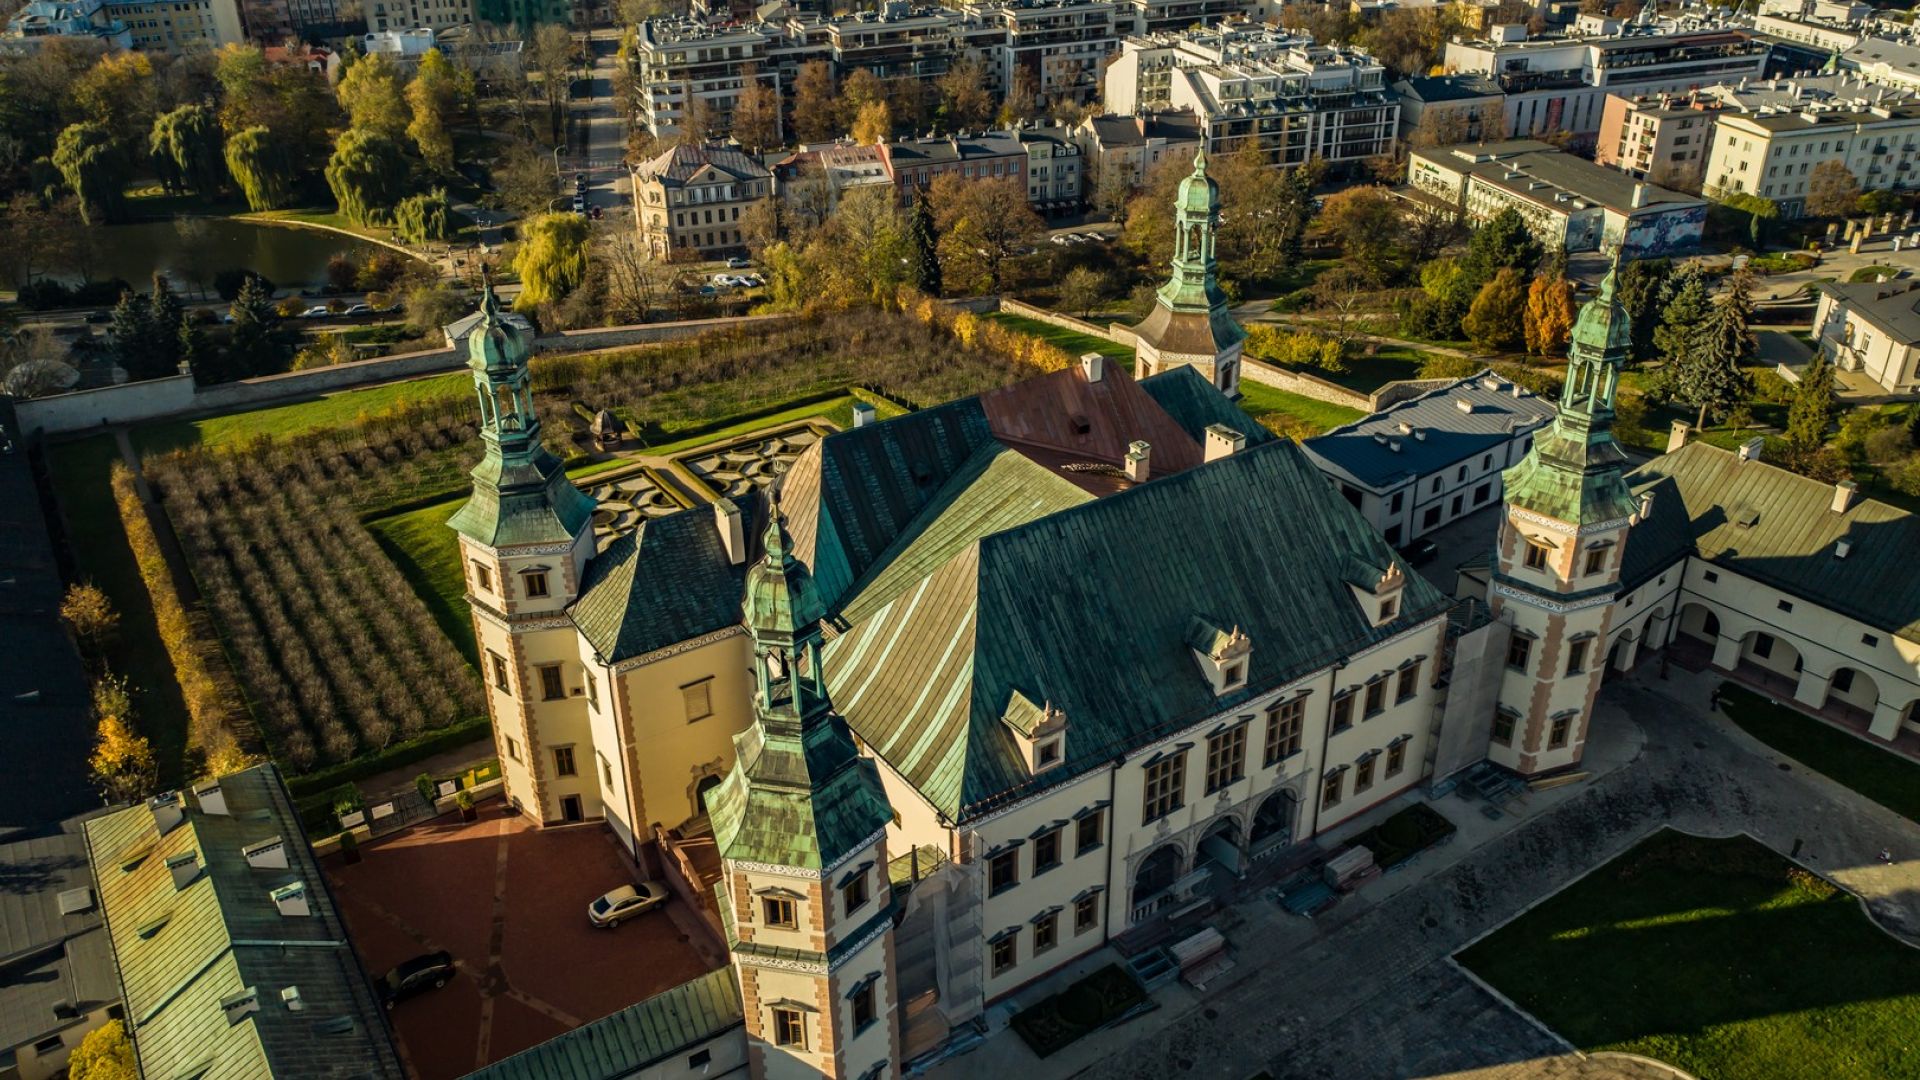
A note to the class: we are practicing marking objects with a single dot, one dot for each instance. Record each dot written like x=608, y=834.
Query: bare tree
x=553, y=59
x=634, y=279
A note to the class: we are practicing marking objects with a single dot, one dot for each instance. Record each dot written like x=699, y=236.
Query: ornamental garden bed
x=1405, y=835
x=1080, y=1010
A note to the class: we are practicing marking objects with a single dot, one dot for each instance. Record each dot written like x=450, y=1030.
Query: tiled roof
x=1893, y=306
x=184, y=951
x=666, y=582
x=1088, y=608
x=1443, y=432
x=684, y=163
x=643, y=1034
x=1789, y=537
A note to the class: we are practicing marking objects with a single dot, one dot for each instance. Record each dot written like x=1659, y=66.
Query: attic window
x=151, y=927
x=1048, y=753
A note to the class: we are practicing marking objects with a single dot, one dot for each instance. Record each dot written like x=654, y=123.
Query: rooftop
x=1891, y=306
x=1435, y=88
x=1541, y=173
x=1426, y=434
x=54, y=956
x=1117, y=130
x=687, y=164
x=621, y=1045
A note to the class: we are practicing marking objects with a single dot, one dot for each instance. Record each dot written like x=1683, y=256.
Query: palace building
x=984, y=687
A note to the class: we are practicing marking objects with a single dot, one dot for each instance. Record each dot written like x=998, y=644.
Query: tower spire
x=1190, y=324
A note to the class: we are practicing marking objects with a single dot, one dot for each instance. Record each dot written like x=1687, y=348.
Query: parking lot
x=509, y=902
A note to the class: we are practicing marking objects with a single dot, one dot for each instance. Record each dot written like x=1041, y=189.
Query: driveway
x=509, y=902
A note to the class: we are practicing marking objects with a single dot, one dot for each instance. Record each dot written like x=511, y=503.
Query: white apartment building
x=1771, y=152
x=1263, y=90
x=679, y=60
x=1134, y=144
x=1872, y=328
x=1056, y=175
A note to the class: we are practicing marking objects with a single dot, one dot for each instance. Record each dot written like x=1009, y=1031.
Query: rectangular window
x=778, y=912
x=698, y=698
x=1166, y=787
x=1046, y=851
x=854, y=893
x=1396, y=758
x=1087, y=832
x=563, y=761
x=1763, y=645
x=606, y=770
x=1482, y=494
x=1576, y=657
x=1503, y=728
x=1409, y=684
x=862, y=1007
x=499, y=665
x=1226, y=758
x=1342, y=713
x=1330, y=791
x=513, y=749
x=1284, y=721
x=789, y=1029
x=1388, y=609
x=550, y=687
x=1005, y=951
x=1519, y=651
x=1363, y=775
x=1711, y=576
x=482, y=576
x=1046, y=933
x=1003, y=872
x=1536, y=556
x=1869, y=640
x=1086, y=913
x=1783, y=605
x=1376, y=699
x=1557, y=735
x=535, y=582
x=1596, y=561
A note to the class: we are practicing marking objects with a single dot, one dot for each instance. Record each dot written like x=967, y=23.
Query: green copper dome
x=1604, y=328
x=1199, y=193
x=780, y=593
x=496, y=344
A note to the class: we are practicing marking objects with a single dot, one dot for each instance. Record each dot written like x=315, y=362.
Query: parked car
x=1420, y=552
x=738, y=263
x=595, y=213
x=359, y=309
x=579, y=204
x=428, y=971
x=317, y=312
x=751, y=281
x=98, y=317
x=1063, y=239
x=626, y=902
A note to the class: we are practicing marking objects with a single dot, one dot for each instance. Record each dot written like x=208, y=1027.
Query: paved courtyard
x=1368, y=989
x=510, y=903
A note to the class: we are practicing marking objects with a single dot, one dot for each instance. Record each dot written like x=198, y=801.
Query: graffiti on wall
x=1665, y=232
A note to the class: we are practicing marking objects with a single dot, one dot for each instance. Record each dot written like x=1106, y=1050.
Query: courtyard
x=509, y=902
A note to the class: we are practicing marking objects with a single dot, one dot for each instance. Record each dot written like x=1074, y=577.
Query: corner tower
x=800, y=826
x=525, y=535
x=1557, y=573
x=1190, y=323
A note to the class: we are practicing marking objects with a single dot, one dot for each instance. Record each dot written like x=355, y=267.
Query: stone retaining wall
x=1295, y=382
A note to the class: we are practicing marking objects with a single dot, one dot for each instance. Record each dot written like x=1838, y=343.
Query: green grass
x=341, y=410
x=425, y=550
x=839, y=410
x=1881, y=775
x=80, y=472
x=1716, y=956
x=1073, y=342
x=331, y=218
x=1264, y=402
x=1868, y=273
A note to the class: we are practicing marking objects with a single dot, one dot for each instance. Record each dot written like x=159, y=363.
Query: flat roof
x=1426, y=434
x=1537, y=171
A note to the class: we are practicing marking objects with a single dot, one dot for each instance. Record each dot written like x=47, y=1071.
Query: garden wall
x=1295, y=382
x=1403, y=390
x=1054, y=318
x=125, y=404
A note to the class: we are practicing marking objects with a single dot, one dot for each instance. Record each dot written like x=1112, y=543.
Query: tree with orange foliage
x=1550, y=314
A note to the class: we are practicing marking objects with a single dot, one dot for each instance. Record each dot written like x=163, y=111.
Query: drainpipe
x=1113, y=838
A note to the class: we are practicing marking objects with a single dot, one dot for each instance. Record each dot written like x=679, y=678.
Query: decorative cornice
x=779, y=963
x=536, y=549
x=1562, y=527
x=804, y=874
x=683, y=647
x=517, y=623
x=1533, y=599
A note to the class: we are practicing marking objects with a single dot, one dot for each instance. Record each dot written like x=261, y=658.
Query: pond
x=192, y=250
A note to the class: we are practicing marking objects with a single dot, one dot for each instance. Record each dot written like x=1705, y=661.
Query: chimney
x=166, y=811
x=1844, y=493
x=211, y=799
x=863, y=414
x=1677, y=437
x=238, y=1007
x=733, y=532
x=1223, y=441
x=1138, y=455
x=1643, y=507
x=1639, y=194
x=291, y=899
x=1750, y=450
x=268, y=854
x=290, y=997
x=1842, y=548
x=1094, y=365
x=185, y=868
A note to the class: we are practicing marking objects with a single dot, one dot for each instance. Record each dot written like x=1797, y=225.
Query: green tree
x=192, y=347
x=925, y=271
x=552, y=259
x=1497, y=318
x=164, y=312
x=1365, y=222
x=118, y=91
x=1831, y=189
x=185, y=145
x=253, y=343
x=368, y=175
x=260, y=163
x=105, y=1054
x=1081, y=289
x=1642, y=286
x=374, y=96
x=1813, y=407
x=981, y=224
x=1503, y=241
x=434, y=98
x=1702, y=343
x=424, y=217
x=95, y=168
x=131, y=332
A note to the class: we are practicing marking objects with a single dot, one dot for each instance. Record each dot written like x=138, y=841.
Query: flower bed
x=1405, y=835
x=1079, y=1010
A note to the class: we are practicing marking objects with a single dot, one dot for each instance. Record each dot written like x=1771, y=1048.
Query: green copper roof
x=1199, y=193
x=670, y=1023
x=1190, y=314
x=1604, y=328
x=799, y=798
x=1196, y=404
x=495, y=344
x=781, y=598
x=668, y=581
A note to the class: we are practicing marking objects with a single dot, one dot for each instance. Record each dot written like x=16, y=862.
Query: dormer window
x=1223, y=655
x=1040, y=730
x=1389, y=608
x=1376, y=589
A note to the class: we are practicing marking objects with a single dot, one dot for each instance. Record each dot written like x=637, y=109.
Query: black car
x=429, y=971
x=1420, y=552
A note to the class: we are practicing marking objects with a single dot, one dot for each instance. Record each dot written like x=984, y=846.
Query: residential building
x=1771, y=152
x=487, y=57
x=1885, y=61
x=38, y=20
x=1567, y=201
x=898, y=40
x=679, y=60
x=1422, y=463
x=696, y=202
x=1131, y=145
x=914, y=164
x=525, y=14
x=56, y=967
x=1060, y=43
x=1442, y=109
x=232, y=958
x=812, y=180
x=1190, y=324
x=167, y=27
x=403, y=47
x=1874, y=329
x=1560, y=84
x=1157, y=16
x=1055, y=173
x=1261, y=90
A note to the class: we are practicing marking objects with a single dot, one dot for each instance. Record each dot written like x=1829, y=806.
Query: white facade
x=1771, y=153
x=1872, y=329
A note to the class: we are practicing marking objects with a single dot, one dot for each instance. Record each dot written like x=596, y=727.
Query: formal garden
x=1717, y=956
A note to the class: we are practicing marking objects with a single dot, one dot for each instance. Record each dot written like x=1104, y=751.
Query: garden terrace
x=1716, y=956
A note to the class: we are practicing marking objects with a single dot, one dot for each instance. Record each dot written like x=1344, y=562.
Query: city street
x=596, y=132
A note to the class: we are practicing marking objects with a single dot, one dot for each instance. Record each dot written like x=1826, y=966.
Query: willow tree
x=424, y=217
x=260, y=164
x=95, y=167
x=552, y=259
x=185, y=145
x=368, y=175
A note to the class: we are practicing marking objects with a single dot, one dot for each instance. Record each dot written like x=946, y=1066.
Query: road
x=596, y=132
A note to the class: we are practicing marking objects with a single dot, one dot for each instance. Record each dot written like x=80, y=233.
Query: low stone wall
x=1054, y=318
x=1403, y=390
x=124, y=404
x=1295, y=382
x=615, y=337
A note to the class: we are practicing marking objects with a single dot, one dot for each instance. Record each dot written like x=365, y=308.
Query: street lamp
x=557, y=150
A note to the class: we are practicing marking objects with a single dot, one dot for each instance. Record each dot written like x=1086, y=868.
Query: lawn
x=1880, y=775
x=100, y=545
x=424, y=549
x=342, y=410
x=1290, y=413
x=1073, y=342
x=1716, y=956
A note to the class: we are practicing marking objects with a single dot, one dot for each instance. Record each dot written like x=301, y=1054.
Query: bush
x=227, y=283
x=43, y=294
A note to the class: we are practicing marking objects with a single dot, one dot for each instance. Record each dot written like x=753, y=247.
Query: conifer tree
x=1813, y=405
x=926, y=254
